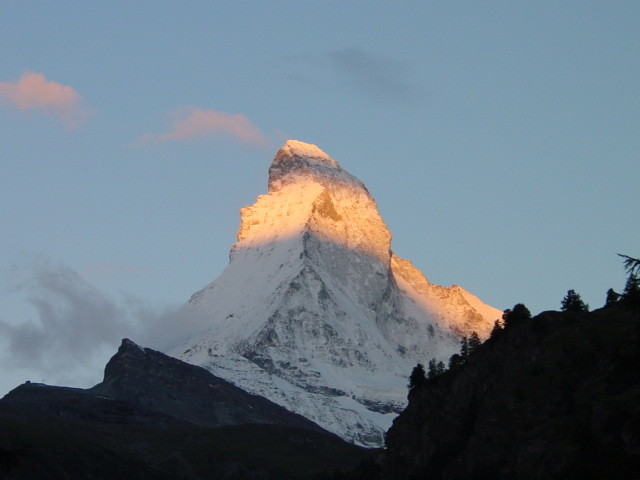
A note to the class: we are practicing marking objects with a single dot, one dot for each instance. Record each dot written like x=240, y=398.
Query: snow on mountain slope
x=315, y=312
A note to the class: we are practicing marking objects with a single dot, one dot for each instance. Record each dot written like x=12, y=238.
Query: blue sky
x=500, y=140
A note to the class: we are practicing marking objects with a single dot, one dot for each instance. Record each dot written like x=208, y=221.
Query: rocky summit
x=315, y=311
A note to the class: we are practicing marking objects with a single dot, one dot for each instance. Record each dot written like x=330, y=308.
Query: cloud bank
x=32, y=91
x=193, y=123
x=76, y=325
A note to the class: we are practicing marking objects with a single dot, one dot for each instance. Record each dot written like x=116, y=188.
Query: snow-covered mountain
x=315, y=312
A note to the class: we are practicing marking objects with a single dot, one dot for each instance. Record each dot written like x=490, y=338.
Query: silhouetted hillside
x=554, y=397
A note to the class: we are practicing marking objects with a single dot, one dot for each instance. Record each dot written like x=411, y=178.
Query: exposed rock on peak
x=311, y=194
x=130, y=346
x=294, y=149
x=297, y=161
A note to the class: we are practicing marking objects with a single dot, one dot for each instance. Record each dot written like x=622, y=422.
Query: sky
x=499, y=139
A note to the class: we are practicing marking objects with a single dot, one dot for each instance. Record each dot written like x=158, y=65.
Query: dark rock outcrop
x=144, y=386
x=156, y=381
x=556, y=397
x=157, y=417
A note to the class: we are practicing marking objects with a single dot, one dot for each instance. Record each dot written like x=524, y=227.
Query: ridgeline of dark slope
x=157, y=417
x=554, y=397
x=154, y=380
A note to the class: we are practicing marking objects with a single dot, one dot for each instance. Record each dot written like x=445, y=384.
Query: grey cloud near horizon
x=75, y=322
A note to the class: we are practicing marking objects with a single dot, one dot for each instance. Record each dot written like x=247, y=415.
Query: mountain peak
x=311, y=194
x=293, y=149
x=315, y=312
x=129, y=345
x=296, y=160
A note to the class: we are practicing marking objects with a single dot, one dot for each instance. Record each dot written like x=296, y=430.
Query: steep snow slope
x=315, y=312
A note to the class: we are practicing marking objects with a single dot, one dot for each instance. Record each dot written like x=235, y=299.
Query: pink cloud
x=32, y=91
x=192, y=123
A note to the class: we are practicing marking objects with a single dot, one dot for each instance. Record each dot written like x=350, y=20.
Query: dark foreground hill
x=156, y=417
x=553, y=397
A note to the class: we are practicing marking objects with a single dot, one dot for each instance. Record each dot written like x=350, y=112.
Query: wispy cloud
x=32, y=91
x=192, y=123
x=376, y=74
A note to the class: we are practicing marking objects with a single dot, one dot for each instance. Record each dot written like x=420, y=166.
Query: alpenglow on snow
x=315, y=312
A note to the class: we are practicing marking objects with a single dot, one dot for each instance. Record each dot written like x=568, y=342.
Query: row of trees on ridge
x=572, y=302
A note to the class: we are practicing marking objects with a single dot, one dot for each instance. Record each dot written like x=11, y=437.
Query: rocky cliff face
x=315, y=312
x=553, y=398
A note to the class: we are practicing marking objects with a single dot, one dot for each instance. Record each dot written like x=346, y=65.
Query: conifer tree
x=455, y=361
x=431, y=371
x=464, y=347
x=631, y=294
x=572, y=302
x=435, y=368
x=474, y=342
x=632, y=288
x=497, y=328
x=631, y=265
x=612, y=297
x=515, y=316
x=417, y=377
